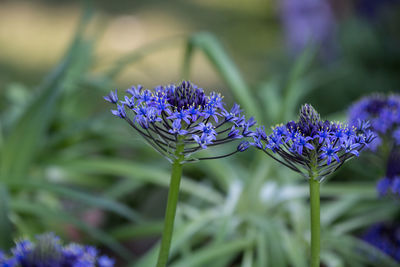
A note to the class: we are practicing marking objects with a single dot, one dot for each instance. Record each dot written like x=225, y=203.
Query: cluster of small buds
x=181, y=114
x=384, y=114
x=48, y=251
x=311, y=145
x=385, y=237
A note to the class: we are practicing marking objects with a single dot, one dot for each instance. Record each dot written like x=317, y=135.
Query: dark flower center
x=186, y=95
x=309, y=122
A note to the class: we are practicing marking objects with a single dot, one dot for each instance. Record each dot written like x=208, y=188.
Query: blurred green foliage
x=63, y=155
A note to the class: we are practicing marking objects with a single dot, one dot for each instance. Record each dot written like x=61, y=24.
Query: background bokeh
x=69, y=167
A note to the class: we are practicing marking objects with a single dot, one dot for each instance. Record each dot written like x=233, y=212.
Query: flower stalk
x=315, y=221
x=172, y=202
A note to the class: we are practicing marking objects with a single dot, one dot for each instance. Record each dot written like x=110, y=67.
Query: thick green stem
x=315, y=222
x=172, y=202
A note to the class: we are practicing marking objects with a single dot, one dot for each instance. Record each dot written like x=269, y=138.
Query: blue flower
x=234, y=133
x=385, y=237
x=390, y=184
x=330, y=152
x=311, y=144
x=203, y=140
x=176, y=128
x=112, y=97
x=233, y=113
x=129, y=102
x=323, y=135
x=180, y=115
x=350, y=146
x=300, y=142
x=383, y=112
x=396, y=135
x=184, y=114
x=207, y=129
x=383, y=186
x=48, y=251
x=243, y=146
x=105, y=261
x=120, y=112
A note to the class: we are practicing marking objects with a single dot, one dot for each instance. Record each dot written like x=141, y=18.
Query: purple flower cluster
x=385, y=237
x=384, y=114
x=49, y=252
x=383, y=111
x=311, y=145
x=181, y=114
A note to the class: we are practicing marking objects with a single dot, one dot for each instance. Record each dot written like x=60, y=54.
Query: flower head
x=383, y=112
x=312, y=146
x=48, y=251
x=173, y=115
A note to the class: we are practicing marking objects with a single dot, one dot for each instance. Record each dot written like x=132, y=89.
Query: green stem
x=172, y=202
x=315, y=222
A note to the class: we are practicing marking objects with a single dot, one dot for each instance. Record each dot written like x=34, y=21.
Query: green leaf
x=132, y=231
x=22, y=141
x=140, y=172
x=332, y=211
x=82, y=197
x=5, y=224
x=292, y=91
x=381, y=213
x=361, y=189
x=210, y=253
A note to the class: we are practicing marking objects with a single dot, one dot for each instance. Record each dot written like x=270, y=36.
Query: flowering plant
x=179, y=120
x=48, y=251
x=314, y=148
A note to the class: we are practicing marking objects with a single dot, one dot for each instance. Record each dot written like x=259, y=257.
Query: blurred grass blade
x=6, y=239
x=356, y=252
x=210, y=253
x=292, y=91
x=214, y=51
x=362, y=189
x=182, y=236
x=381, y=214
x=132, y=231
x=138, y=54
x=140, y=172
x=21, y=142
x=333, y=211
x=82, y=197
x=47, y=215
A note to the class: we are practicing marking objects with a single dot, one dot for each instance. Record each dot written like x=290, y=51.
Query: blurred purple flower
x=385, y=237
x=390, y=184
x=309, y=22
x=374, y=8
